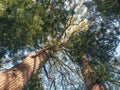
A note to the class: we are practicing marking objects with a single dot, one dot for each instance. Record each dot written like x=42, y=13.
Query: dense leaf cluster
x=109, y=7
x=29, y=23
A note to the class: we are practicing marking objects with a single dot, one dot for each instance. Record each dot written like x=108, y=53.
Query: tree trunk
x=16, y=77
x=90, y=82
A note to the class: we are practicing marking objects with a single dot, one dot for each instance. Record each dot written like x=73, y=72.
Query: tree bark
x=16, y=77
x=90, y=81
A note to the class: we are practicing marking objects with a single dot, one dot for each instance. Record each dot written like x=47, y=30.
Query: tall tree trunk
x=90, y=81
x=16, y=77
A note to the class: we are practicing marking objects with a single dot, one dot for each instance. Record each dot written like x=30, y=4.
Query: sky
x=118, y=50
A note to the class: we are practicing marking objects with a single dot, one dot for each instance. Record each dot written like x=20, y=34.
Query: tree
x=50, y=24
x=96, y=45
x=29, y=22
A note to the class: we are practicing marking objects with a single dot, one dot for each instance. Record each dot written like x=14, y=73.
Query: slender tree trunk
x=90, y=82
x=16, y=77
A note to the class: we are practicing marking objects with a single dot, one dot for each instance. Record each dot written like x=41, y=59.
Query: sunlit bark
x=16, y=77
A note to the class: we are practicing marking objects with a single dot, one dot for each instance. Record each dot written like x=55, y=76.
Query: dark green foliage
x=108, y=7
x=21, y=24
x=28, y=23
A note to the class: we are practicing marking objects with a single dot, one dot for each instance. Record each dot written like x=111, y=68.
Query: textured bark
x=16, y=77
x=90, y=82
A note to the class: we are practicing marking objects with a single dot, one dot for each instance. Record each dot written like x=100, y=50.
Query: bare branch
x=49, y=77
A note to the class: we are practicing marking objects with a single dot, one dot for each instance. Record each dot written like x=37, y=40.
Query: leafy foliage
x=29, y=23
x=108, y=7
x=21, y=24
